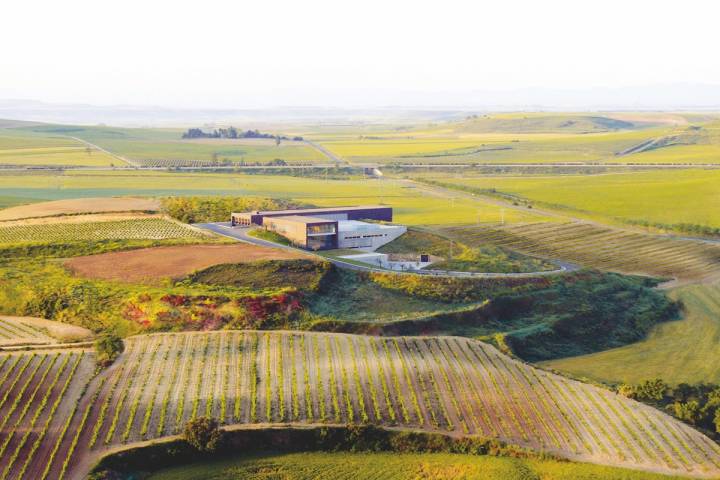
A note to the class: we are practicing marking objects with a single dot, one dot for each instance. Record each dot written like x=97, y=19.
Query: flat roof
x=301, y=211
x=302, y=219
x=356, y=225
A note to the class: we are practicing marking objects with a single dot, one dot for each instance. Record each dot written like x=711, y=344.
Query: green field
x=393, y=466
x=537, y=138
x=663, y=196
x=165, y=147
x=19, y=147
x=679, y=351
x=412, y=206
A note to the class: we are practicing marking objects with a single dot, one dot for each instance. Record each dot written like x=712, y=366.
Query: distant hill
x=533, y=123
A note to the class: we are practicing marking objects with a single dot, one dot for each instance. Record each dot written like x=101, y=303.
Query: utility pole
x=502, y=216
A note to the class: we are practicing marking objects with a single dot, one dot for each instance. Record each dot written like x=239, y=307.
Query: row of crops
x=38, y=392
x=445, y=384
x=17, y=332
x=604, y=247
x=175, y=163
x=129, y=229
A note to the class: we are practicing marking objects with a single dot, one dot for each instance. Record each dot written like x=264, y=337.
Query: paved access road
x=241, y=234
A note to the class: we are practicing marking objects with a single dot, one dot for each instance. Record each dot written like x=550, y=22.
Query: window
x=325, y=228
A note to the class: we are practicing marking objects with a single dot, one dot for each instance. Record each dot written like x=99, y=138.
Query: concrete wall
x=369, y=239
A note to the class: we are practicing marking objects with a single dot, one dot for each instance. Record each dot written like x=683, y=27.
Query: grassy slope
x=412, y=206
x=678, y=196
x=351, y=300
x=679, y=351
x=393, y=466
x=459, y=257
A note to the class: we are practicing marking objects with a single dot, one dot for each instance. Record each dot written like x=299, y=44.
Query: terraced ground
x=83, y=228
x=445, y=384
x=605, y=248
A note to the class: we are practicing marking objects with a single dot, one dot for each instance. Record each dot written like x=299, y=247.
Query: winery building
x=327, y=228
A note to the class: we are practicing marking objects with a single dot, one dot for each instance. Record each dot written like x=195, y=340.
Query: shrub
x=203, y=433
x=108, y=348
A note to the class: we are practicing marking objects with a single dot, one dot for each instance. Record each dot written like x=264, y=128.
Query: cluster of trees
x=698, y=405
x=217, y=209
x=232, y=132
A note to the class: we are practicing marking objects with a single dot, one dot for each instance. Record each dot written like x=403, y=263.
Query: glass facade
x=322, y=242
x=321, y=229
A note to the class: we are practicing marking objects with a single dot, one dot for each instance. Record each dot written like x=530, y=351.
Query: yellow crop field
x=662, y=196
x=18, y=147
x=76, y=155
x=413, y=206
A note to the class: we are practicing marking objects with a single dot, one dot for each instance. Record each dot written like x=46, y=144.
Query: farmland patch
x=152, y=264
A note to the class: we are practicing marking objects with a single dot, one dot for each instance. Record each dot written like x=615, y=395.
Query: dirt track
x=152, y=264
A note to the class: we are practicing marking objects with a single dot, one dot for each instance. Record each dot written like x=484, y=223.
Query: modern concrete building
x=311, y=233
x=366, y=236
x=327, y=228
x=372, y=212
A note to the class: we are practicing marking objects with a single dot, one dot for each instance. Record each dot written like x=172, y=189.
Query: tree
x=108, y=348
x=651, y=390
x=203, y=433
x=688, y=411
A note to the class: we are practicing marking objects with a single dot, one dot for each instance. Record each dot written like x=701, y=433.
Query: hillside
x=542, y=123
x=689, y=342
x=604, y=248
x=395, y=466
x=443, y=384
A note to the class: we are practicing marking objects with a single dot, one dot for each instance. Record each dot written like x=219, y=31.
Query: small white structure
x=366, y=236
x=382, y=260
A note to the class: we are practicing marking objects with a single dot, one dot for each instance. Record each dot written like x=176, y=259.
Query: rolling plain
x=259, y=337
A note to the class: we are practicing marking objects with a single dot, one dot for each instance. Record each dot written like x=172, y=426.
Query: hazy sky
x=262, y=53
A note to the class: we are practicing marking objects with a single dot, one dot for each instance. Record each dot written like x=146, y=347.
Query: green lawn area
x=393, y=466
x=412, y=206
x=664, y=196
x=680, y=351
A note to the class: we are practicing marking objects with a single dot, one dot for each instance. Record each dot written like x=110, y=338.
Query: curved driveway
x=241, y=234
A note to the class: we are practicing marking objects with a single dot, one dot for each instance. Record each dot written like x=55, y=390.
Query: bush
x=204, y=434
x=108, y=348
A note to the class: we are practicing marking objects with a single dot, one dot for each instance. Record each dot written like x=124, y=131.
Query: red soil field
x=152, y=264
